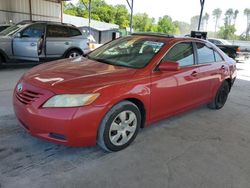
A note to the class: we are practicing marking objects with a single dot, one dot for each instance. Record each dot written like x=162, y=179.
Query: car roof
x=47, y=22
x=168, y=37
x=154, y=34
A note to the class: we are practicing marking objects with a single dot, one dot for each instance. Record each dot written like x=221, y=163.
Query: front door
x=26, y=45
x=173, y=91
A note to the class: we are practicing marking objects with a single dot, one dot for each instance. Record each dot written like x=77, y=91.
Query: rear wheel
x=119, y=126
x=73, y=54
x=221, y=96
x=1, y=61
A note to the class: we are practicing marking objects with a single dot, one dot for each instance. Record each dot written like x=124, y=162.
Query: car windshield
x=12, y=29
x=131, y=51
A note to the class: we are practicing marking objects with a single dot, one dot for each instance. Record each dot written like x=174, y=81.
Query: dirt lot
x=199, y=149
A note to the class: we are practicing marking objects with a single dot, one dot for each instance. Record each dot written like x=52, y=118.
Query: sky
x=183, y=10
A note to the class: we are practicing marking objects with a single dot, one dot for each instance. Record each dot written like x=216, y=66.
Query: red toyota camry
x=125, y=85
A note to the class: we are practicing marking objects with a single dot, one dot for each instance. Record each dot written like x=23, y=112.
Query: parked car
x=227, y=47
x=38, y=41
x=122, y=86
x=4, y=26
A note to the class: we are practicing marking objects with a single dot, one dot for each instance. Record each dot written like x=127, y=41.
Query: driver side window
x=34, y=31
x=181, y=53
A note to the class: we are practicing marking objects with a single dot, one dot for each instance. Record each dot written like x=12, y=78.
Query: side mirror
x=169, y=66
x=18, y=35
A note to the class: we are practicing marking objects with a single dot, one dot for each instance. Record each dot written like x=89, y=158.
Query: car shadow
x=12, y=66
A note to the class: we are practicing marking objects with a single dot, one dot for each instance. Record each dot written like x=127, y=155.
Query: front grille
x=26, y=97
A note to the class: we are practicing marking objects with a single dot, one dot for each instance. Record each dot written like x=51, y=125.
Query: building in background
x=14, y=11
x=102, y=32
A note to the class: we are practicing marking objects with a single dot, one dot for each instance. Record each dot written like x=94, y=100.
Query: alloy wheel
x=123, y=128
x=73, y=55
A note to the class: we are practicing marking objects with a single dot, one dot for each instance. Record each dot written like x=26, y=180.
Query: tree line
x=142, y=22
x=228, y=29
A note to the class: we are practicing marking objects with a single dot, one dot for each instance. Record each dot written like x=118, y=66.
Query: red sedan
x=123, y=86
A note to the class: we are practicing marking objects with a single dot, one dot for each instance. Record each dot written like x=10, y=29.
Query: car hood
x=77, y=75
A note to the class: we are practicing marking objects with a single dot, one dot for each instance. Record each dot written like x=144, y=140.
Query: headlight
x=71, y=100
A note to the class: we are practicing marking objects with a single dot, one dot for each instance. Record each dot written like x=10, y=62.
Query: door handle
x=66, y=43
x=222, y=67
x=32, y=44
x=194, y=73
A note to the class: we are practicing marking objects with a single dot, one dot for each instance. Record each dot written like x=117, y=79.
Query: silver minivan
x=39, y=41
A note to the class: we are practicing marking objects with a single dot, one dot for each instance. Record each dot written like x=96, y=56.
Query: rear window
x=205, y=54
x=217, y=56
x=57, y=31
x=74, y=32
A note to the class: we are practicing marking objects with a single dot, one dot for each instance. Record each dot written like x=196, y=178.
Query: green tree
x=184, y=27
x=121, y=16
x=100, y=10
x=216, y=14
x=194, y=22
x=229, y=17
x=142, y=22
x=227, y=32
x=247, y=14
x=205, y=19
x=236, y=12
x=70, y=9
x=165, y=25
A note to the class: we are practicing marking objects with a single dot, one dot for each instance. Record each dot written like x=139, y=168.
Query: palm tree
x=194, y=22
x=229, y=16
x=236, y=12
x=216, y=14
x=205, y=19
x=247, y=13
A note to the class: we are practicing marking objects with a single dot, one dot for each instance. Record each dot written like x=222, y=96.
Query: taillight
x=238, y=50
x=92, y=46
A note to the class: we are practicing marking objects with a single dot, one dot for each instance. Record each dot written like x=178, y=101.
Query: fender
x=142, y=95
x=4, y=55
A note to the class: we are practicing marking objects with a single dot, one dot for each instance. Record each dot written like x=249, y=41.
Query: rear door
x=57, y=41
x=26, y=45
x=211, y=67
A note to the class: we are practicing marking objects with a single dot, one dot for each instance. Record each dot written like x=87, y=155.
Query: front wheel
x=221, y=96
x=119, y=126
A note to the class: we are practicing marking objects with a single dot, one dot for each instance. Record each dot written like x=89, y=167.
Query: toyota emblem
x=19, y=87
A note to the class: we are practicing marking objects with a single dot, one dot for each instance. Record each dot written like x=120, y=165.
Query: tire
x=220, y=97
x=115, y=125
x=1, y=61
x=73, y=54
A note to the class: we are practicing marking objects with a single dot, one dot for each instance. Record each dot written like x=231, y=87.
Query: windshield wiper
x=101, y=60
x=111, y=63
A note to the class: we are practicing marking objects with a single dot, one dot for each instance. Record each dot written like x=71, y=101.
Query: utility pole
x=202, y=2
x=131, y=6
x=89, y=16
x=88, y=7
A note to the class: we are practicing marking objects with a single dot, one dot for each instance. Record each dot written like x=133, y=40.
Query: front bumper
x=68, y=126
